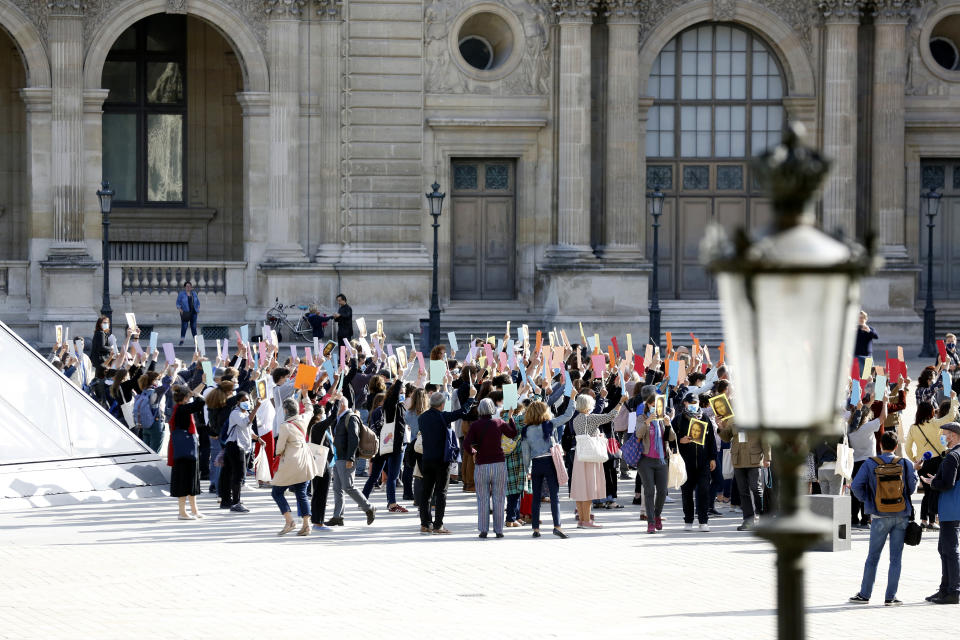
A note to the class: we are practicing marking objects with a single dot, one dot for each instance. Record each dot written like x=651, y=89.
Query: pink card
x=488, y=352
x=599, y=363
x=263, y=352
x=503, y=361
x=309, y=356
x=343, y=357
x=293, y=352
x=420, y=361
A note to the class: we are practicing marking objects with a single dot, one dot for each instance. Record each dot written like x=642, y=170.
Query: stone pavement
x=125, y=569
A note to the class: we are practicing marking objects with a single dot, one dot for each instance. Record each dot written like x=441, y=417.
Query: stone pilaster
x=573, y=202
x=67, y=177
x=255, y=110
x=889, y=80
x=283, y=50
x=842, y=20
x=624, y=178
x=328, y=118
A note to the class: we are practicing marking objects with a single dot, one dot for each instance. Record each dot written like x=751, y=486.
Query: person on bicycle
x=318, y=321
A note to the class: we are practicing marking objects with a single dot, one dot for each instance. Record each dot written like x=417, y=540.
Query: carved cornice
x=66, y=7
x=575, y=10
x=841, y=10
x=329, y=9
x=284, y=8
x=893, y=10
x=622, y=11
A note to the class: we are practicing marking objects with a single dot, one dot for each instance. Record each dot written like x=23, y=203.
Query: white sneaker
x=668, y=500
x=704, y=527
x=688, y=526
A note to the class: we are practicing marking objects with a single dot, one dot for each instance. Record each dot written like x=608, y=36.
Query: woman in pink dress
x=587, y=481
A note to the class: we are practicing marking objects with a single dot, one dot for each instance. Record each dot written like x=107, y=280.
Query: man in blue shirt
x=947, y=482
x=189, y=306
x=886, y=523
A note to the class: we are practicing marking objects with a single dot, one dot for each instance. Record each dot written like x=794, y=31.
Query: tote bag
x=591, y=448
x=677, y=474
x=726, y=466
x=631, y=450
x=387, y=438
x=556, y=452
x=320, y=454
x=184, y=444
x=845, y=460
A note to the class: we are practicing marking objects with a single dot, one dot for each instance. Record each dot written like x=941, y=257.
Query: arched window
x=718, y=101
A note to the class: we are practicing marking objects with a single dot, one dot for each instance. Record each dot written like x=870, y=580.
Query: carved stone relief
x=920, y=80
x=530, y=77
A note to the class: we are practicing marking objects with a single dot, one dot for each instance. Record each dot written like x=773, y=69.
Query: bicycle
x=278, y=320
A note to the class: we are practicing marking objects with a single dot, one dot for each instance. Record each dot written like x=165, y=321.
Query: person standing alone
x=189, y=307
x=947, y=482
x=344, y=318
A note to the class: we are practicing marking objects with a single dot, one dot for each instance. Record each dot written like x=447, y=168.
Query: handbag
x=914, y=532
x=556, y=452
x=677, y=472
x=418, y=445
x=186, y=316
x=726, y=464
x=261, y=466
x=631, y=450
x=508, y=445
x=320, y=455
x=184, y=444
x=387, y=433
x=845, y=460
x=591, y=448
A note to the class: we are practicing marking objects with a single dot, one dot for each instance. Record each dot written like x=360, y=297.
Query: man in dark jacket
x=344, y=318
x=947, y=482
x=346, y=440
x=439, y=450
x=699, y=460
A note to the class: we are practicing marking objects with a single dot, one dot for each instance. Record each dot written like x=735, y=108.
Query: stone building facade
x=281, y=149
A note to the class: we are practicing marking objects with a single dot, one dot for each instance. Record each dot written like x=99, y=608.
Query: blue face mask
x=691, y=409
x=245, y=405
x=943, y=440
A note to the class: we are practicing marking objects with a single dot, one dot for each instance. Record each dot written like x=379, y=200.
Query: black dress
x=185, y=475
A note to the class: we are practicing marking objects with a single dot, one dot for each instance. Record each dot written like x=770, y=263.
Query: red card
x=599, y=365
x=704, y=368
x=638, y=364
x=942, y=348
x=855, y=370
x=616, y=347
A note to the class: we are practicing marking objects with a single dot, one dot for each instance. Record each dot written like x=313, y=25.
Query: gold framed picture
x=697, y=431
x=721, y=406
x=262, y=388
x=660, y=407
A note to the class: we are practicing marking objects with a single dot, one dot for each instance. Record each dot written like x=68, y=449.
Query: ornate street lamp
x=655, y=207
x=106, y=202
x=789, y=303
x=930, y=206
x=435, y=200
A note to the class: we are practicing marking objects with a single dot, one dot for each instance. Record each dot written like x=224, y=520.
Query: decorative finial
x=792, y=172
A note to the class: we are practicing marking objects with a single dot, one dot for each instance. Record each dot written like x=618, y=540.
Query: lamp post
x=106, y=194
x=435, y=200
x=789, y=303
x=931, y=205
x=655, y=206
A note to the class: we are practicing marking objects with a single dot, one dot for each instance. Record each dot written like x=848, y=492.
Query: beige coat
x=296, y=461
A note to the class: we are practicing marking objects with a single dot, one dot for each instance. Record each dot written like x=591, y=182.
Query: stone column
x=255, y=106
x=625, y=202
x=283, y=51
x=573, y=201
x=66, y=178
x=889, y=79
x=328, y=73
x=842, y=20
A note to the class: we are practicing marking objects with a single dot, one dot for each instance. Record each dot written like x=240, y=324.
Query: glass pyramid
x=45, y=418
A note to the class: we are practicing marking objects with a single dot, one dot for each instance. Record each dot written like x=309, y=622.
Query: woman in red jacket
x=490, y=468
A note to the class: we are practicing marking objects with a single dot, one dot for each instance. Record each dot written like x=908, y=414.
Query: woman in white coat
x=296, y=468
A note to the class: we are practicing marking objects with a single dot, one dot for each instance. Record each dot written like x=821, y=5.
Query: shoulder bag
x=591, y=448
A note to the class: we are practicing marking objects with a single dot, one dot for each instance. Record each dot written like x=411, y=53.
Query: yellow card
x=596, y=343
x=551, y=338
x=508, y=328
x=583, y=336
x=867, y=367
x=629, y=342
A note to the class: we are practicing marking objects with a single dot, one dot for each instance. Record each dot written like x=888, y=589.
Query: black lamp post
x=789, y=302
x=106, y=201
x=655, y=206
x=436, y=206
x=931, y=206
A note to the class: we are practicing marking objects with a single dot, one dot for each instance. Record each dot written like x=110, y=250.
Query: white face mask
x=106, y=326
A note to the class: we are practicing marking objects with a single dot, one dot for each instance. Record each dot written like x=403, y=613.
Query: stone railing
x=159, y=278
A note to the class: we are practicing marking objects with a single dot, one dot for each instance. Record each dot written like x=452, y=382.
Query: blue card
x=855, y=394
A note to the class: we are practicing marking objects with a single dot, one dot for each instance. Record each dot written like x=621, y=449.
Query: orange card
x=306, y=375
x=722, y=353
x=669, y=343
x=696, y=344
x=536, y=349
x=613, y=358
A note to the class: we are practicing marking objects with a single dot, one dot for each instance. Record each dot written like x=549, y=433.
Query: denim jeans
x=513, y=506
x=392, y=463
x=215, y=449
x=540, y=469
x=193, y=326
x=949, y=558
x=299, y=490
x=880, y=528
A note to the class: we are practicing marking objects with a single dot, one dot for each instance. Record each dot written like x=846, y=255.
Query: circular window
x=477, y=52
x=940, y=36
x=486, y=41
x=944, y=52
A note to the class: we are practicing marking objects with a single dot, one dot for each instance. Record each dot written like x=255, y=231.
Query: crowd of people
x=512, y=419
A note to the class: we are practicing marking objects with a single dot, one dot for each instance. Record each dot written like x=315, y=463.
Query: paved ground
x=117, y=570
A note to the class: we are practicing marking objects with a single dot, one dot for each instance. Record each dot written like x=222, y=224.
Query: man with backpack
x=347, y=444
x=148, y=409
x=884, y=485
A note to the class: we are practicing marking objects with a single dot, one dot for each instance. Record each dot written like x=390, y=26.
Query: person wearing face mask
x=241, y=431
x=655, y=434
x=947, y=482
x=83, y=373
x=99, y=347
x=925, y=449
x=700, y=462
x=953, y=354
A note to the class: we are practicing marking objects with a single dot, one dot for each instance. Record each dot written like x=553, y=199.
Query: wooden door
x=484, y=230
